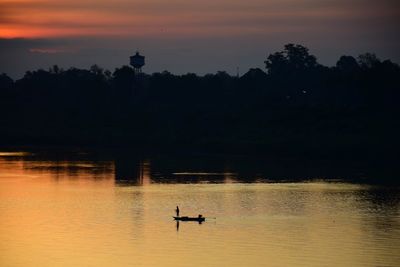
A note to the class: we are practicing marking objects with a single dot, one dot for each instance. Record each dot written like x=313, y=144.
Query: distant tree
x=95, y=69
x=253, y=80
x=368, y=60
x=55, y=69
x=190, y=76
x=223, y=75
x=299, y=57
x=39, y=83
x=388, y=65
x=123, y=80
x=124, y=76
x=108, y=75
x=293, y=58
x=254, y=74
x=347, y=64
x=276, y=63
x=221, y=79
x=5, y=82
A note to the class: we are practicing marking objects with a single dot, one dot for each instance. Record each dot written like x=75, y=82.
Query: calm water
x=85, y=210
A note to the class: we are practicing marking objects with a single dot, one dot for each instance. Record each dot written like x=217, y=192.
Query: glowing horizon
x=42, y=19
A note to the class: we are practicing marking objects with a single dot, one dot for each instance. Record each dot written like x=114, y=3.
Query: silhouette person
x=177, y=211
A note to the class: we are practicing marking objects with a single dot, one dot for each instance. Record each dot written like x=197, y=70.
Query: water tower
x=137, y=62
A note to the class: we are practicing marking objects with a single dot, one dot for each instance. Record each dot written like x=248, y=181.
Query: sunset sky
x=190, y=36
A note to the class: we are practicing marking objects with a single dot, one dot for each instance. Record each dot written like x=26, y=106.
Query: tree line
x=295, y=105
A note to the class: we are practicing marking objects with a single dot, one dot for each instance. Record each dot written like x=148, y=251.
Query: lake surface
x=79, y=209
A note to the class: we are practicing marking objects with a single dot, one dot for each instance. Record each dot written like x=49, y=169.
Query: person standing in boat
x=177, y=211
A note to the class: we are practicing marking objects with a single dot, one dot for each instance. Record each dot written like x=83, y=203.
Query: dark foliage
x=296, y=107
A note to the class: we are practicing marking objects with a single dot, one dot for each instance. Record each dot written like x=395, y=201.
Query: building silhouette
x=137, y=62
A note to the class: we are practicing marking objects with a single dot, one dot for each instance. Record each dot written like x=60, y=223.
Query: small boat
x=186, y=218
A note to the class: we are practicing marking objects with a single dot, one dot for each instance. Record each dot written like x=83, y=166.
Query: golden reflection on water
x=83, y=213
x=13, y=154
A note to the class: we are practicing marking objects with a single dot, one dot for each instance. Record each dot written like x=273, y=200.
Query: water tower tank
x=137, y=61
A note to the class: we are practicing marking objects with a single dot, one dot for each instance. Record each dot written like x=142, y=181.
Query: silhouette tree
x=299, y=57
x=347, y=64
x=368, y=60
x=55, y=69
x=95, y=69
x=123, y=77
x=293, y=58
x=298, y=105
x=277, y=64
x=123, y=81
x=6, y=83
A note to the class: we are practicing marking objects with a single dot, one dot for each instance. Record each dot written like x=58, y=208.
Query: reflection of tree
x=187, y=169
x=64, y=164
x=129, y=170
x=245, y=169
x=381, y=206
x=135, y=170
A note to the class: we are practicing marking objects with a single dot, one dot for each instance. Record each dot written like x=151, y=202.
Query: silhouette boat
x=186, y=218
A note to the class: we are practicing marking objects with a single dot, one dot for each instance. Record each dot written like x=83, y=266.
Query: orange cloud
x=46, y=18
